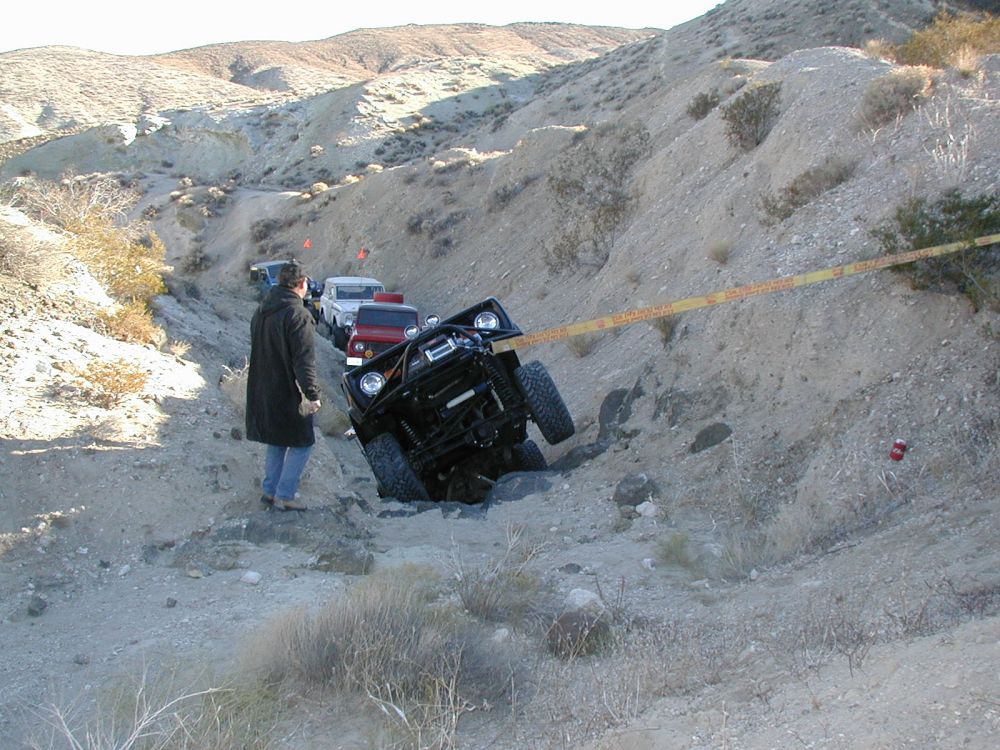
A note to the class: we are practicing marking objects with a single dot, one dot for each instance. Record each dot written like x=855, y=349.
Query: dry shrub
x=74, y=200
x=702, y=104
x=674, y=549
x=332, y=421
x=665, y=326
x=129, y=266
x=894, y=95
x=582, y=344
x=109, y=383
x=131, y=322
x=951, y=41
x=808, y=185
x=720, y=252
x=233, y=383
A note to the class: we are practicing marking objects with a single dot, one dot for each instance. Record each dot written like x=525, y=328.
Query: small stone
x=649, y=563
x=170, y=603
x=251, y=576
x=36, y=606
x=124, y=570
x=570, y=568
x=216, y=434
x=648, y=509
x=194, y=572
x=754, y=575
x=236, y=433
x=81, y=659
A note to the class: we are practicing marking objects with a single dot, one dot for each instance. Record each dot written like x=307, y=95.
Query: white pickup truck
x=338, y=306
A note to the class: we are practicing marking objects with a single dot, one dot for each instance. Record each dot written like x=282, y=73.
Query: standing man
x=282, y=390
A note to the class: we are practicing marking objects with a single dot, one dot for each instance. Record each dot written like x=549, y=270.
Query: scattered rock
x=236, y=433
x=648, y=510
x=37, y=605
x=81, y=659
x=252, y=577
x=170, y=603
x=711, y=436
x=570, y=568
x=635, y=489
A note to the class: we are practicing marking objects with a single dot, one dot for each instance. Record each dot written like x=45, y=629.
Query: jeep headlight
x=486, y=320
x=411, y=332
x=371, y=383
x=431, y=320
x=348, y=320
x=359, y=346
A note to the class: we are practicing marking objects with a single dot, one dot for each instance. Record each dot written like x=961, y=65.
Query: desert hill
x=772, y=577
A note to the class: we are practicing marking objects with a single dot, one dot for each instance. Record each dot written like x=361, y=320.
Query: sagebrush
x=108, y=383
x=752, y=114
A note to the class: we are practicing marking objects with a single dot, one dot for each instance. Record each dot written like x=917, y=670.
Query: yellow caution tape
x=735, y=293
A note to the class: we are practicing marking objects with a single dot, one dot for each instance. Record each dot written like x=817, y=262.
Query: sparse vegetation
x=720, y=252
x=583, y=344
x=951, y=41
x=750, y=117
x=109, y=383
x=499, y=589
x=386, y=641
x=665, y=326
x=813, y=182
x=702, y=104
x=893, y=96
x=130, y=321
x=593, y=195
x=953, y=217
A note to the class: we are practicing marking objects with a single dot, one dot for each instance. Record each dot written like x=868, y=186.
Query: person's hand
x=314, y=406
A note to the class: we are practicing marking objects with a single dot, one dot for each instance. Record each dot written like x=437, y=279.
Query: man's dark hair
x=291, y=274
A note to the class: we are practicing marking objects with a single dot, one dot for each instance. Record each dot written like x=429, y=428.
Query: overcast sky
x=142, y=28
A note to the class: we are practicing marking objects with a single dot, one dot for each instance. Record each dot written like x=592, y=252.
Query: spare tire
x=392, y=469
x=546, y=406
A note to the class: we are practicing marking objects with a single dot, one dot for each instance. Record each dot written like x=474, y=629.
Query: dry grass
x=812, y=183
x=666, y=327
x=582, y=344
x=127, y=263
x=234, y=384
x=162, y=712
x=502, y=588
x=418, y=665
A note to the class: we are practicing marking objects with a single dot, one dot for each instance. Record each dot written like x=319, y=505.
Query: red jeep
x=379, y=325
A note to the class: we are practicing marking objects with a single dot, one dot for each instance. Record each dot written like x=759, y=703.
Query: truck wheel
x=339, y=337
x=527, y=456
x=392, y=469
x=546, y=406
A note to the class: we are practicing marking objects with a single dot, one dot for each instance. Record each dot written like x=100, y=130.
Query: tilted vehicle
x=339, y=304
x=442, y=416
x=379, y=325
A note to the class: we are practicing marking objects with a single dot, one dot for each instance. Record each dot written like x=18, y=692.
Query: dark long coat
x=282, y=361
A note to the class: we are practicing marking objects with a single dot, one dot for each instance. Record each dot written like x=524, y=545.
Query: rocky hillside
x=784, y=583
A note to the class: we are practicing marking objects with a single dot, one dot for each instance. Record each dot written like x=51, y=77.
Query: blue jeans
x=283, y=469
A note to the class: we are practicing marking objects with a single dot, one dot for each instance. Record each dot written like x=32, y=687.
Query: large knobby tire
x=547, y=408
x=392, y=469
x=527, y=456
x=339, y=337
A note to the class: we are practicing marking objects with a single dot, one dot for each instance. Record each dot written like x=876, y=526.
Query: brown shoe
x=280, y=504
x=267, y=500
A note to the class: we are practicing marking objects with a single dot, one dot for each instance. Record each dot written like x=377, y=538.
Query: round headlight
x=432, y=320
x=411, y=332
x=348, y=320
x=487, y=320
x=371, y=383
x=359, y=346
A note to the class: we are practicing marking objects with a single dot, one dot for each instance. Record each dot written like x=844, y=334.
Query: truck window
x=387, y=318
x=358, y=292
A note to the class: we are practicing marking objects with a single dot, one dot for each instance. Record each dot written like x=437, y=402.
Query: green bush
x=920, y=223
x=750, y=117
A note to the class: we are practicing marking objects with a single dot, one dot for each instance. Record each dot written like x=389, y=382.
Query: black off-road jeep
x=442, y=416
